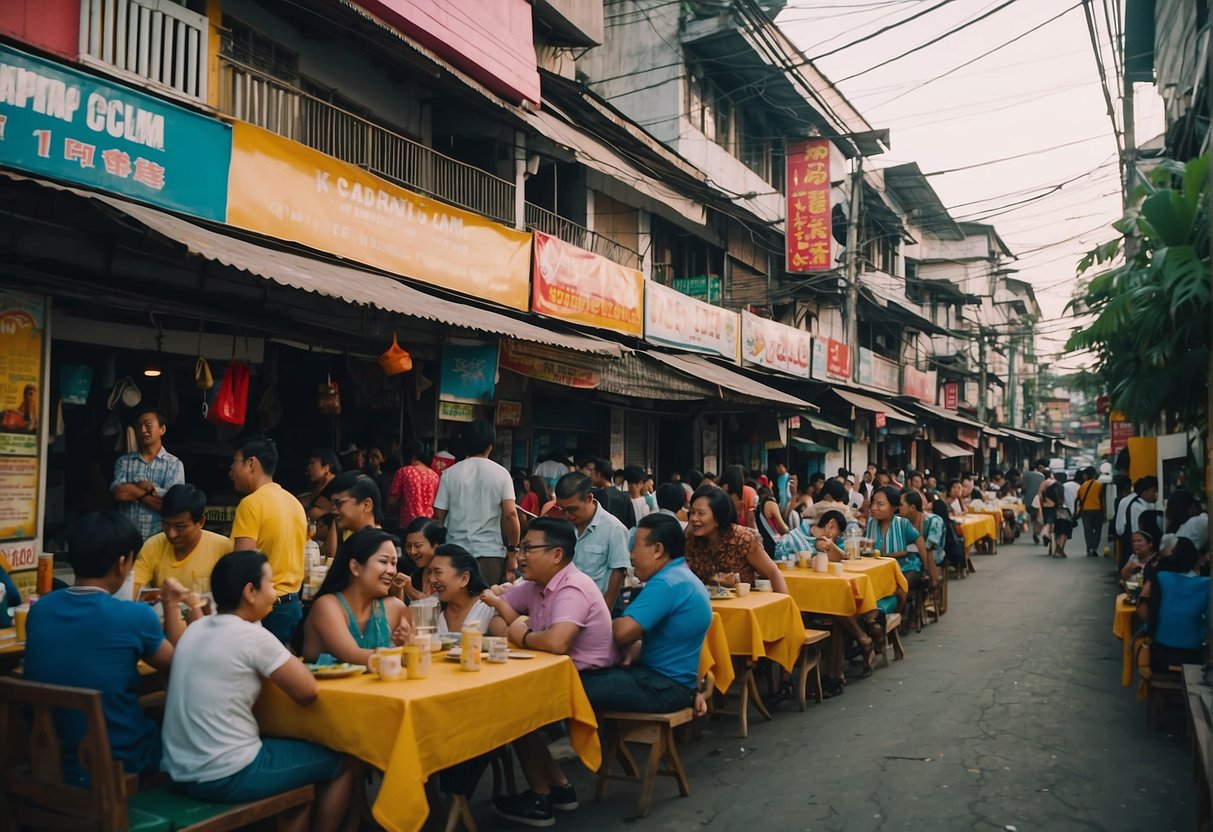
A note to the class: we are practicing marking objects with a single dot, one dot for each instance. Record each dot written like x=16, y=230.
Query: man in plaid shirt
x=142, y=477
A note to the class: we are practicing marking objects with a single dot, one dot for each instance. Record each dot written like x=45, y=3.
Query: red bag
x=231, y=397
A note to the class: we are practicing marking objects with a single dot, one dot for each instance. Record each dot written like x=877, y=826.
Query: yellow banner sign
x=282, y=189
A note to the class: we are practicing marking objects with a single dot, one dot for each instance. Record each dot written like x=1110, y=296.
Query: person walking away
x=1090, y=506
x=616, y=502
x=270, y=520
x=1031, y=490
x=476, y=503
x=1063, y=522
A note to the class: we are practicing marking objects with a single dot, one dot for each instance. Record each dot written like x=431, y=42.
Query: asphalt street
x=1006, y=715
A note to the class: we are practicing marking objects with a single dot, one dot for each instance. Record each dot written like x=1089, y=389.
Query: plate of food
x=717, y=593
x=447, y=641
x=454, y=653
x=341, y=670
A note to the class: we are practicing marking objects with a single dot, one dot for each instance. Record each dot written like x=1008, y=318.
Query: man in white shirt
x=1070, y=488
x=602, y=540
x=476, y=504
x=634, y=476
x=1128, y=513
x=552, y=467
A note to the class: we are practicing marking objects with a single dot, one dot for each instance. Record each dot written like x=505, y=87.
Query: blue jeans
x=636, y=688
x=280, y=765
x=283, y=620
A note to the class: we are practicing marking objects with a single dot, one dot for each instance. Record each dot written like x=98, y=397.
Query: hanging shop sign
x=62, y=123
x=1121, y=430
x=509, y=414
x=918, y=383
x=675, y=320
x=456, y=412
x=704, y=287
x=831, y=360
x=22, y=341
x=951, y=396
x=878, y=372
x=469, y=373
x=575, y=285
x=548, y=364
x=808, y=184
x=775, y=346
x=282, y=189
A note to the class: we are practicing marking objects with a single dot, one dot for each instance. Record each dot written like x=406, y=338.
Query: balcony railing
x=257, y=98
x=543, y=220
x=152, y=42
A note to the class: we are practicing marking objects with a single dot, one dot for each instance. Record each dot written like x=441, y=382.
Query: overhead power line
x=1016, y=156
x=883, y=29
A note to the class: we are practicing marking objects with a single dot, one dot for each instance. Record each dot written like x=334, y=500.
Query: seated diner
x=721, y=551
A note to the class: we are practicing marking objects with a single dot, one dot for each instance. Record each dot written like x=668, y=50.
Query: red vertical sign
x=951, y=396
x=808, y=215
x=838, y=358
x=1121, y=431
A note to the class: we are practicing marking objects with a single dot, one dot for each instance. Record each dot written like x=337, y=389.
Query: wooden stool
x=810, y=665
x=1159, y=687
x=892, y=637
x=653, y=730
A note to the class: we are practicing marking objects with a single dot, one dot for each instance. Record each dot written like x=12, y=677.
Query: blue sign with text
x=469, y=373
x=69, y=125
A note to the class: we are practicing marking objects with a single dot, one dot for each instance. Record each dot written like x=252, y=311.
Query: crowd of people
x=576, y=559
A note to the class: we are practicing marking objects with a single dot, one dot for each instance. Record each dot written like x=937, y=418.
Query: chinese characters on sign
x=951, y=396
x=808, y=185
x=69, y=125
x=1121, y=430
x=576, y=285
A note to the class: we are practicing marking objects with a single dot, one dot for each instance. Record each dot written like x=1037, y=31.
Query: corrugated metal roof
x=701, y=368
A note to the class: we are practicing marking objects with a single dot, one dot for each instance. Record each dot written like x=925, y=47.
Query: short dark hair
x=263, y=449
x=434, y=531
x=1183, y=557
x=694, y=478
x=671, y=496
x=633, y=473
x=912, y=474
x=181, y=498
x=572, y=484
x=412, y=450
x=151, y=409
x=603, y=466
x=97, y=540
x=478, y=437
x=891, y=493
x=913, y=498
x=556, y=531
x=361, y=487
x=720, y=504
x=835, y=490
x=357, y=547
x=1145, y=484
x=667, y=531
x=232, y=573
x=950, y=485
x=817, y=477
x=464, y=564
x=1060, y=476
x=328, y=458
x=833, y=514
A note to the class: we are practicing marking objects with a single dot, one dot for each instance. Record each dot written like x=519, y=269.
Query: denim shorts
x=280, y=765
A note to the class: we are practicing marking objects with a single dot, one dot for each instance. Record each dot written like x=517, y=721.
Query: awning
x=809, y=447
x=639, y=376
x=705, y=370
x=989, y=431
x=949, y=416
x=334, y=280
x=818, y=423
x=874, y=405
x=950, y=450
x=1026, y=437
x=1066, y=443
x=597, y=155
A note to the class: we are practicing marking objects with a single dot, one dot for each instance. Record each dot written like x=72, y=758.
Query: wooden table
x=1123, y=620
x=411, y=728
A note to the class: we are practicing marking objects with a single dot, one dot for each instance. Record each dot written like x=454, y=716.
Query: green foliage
x=1150, y=333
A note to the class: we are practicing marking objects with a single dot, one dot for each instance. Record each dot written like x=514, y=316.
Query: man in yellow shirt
x=270, y=520
x=183, y=550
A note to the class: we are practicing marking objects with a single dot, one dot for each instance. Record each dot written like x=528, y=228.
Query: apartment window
x=246, y=45
x=881, y=253
x=744, y=133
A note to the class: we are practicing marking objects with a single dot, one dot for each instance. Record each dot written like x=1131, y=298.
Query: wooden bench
x=33, y=791
x=653, y=730
x=892, y=637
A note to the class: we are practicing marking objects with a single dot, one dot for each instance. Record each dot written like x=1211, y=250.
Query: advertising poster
x=22, y=340
x=578, y=286
x=469, y=376
x=673, y=319
x=549, y=364
x=775, y=346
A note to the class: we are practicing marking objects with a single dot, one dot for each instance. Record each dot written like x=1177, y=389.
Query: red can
x=46, y=573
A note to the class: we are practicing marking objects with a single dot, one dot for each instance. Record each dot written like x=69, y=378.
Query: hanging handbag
x=328, y=397
x=202, y=370
x=231, y=399
x=396, y=359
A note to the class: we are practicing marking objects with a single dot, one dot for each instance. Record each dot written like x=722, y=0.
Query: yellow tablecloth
x=411, y=728
x=1122, y=627
x=975, y=527
x=9, y=646
x=763, y=625
x=885, y=574
x=827, y=594
x=714, y=656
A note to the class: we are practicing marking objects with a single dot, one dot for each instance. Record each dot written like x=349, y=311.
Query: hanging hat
x=125, y=392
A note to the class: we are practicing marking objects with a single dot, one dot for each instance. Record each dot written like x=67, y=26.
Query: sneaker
x=564, y=798
x=528, y=808
x=1036, y=539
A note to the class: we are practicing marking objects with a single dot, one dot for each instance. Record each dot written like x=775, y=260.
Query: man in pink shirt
x=558, y=609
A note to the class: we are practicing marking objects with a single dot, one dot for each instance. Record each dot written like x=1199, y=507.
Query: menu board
x=22, y=340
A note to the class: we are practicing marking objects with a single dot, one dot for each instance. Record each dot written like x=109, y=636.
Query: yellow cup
x=387, y=662
x=804, y=559
x=20, y=613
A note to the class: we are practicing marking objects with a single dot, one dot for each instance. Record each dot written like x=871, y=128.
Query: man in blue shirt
x=83, y=637
x=660, y=633
x=141, y=478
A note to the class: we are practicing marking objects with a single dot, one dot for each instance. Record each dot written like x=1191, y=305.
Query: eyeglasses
x=527, y=548
x=571, y=509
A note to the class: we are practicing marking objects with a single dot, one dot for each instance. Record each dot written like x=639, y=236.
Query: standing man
x=617, y=503
x=783, y=486
x=634, y=476
x=270, y=520
x=1091, y=510
x=602, y=541
x=322, y=467
x=1031, y=488
x=475, y=502
x=552, y=467
x=415, y=485
x=141, y=478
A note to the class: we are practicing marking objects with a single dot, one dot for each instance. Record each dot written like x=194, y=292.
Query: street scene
x=491, y=414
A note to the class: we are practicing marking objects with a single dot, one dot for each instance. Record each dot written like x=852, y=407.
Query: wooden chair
x=1159, y=688
x=810, y=668
x=657, y=732
x=892, y=637
x=32, y=785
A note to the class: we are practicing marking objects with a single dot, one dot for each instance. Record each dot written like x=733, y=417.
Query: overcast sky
x=1041, y=92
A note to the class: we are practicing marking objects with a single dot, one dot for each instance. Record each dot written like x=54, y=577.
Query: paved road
x=1008, y=713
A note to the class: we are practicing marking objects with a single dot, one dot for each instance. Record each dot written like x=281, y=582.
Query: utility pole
x=981, y=374
x=1130, y=161
x=1012, y=398
x=852, y=267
